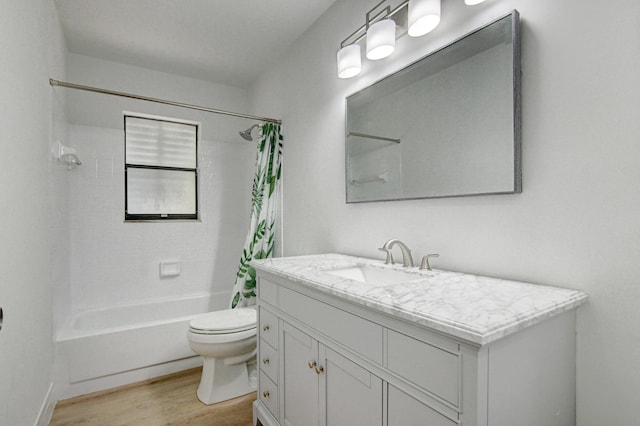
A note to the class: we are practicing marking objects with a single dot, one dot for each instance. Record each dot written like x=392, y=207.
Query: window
x=161, y=162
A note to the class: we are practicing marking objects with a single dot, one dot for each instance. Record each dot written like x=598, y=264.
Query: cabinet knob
x=319, y=369
x=312, y=364
x=265, y=361
x=266, y=394
x=265, y=328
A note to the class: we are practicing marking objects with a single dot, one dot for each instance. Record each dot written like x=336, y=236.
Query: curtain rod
x=53, y=82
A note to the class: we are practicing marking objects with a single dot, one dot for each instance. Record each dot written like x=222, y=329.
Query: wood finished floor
x=167, y=400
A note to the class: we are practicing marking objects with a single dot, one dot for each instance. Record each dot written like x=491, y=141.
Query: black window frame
x=127, y=166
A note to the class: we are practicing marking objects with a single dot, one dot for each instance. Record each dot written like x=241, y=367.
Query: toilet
x=226, y=340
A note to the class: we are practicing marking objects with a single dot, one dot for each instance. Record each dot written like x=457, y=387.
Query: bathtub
x=109, y=341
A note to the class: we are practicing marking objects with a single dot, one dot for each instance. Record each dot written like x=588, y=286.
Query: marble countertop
x=474, y=308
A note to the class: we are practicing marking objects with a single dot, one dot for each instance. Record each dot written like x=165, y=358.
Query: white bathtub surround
x=114, y=262
x=110, y=262
x=113, y=268
x=474, y=308
x=102, y=348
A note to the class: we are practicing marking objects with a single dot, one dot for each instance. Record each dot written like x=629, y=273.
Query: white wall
x=115, y=263
x=31, y=48
x=576, y=222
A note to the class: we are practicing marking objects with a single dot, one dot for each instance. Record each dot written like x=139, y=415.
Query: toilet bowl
x=226, y=340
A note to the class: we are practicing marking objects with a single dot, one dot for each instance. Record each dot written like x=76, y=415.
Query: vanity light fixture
x=424, y=16
x=381, y=39
x=379, y=31
x=349, y=63
x=415, y=17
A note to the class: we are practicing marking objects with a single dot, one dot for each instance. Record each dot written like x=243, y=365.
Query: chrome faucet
x=407, y=260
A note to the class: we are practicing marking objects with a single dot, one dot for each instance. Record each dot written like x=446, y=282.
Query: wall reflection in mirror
x=445, y=126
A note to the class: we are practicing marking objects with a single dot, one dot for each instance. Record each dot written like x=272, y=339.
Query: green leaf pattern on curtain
x=264, y=211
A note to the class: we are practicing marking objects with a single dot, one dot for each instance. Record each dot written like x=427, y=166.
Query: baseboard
x=262, y=416
x=47, y=407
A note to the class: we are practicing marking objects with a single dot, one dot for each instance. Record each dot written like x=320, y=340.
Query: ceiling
x=222, y=41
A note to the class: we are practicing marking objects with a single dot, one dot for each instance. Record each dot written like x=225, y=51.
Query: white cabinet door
x=322, y=387
x=350, y=395
x=300, y=381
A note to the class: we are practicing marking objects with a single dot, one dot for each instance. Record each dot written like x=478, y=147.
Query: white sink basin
x=374, y=276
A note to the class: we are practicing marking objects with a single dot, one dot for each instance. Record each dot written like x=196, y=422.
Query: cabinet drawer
x=404, y=410
x=360, y=335
x=267, y=291
x=268, y=394
x=268, y=360
x=268, y=327
x=429, y=367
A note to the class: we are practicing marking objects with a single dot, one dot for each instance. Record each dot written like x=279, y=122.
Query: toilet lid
x=226, y=321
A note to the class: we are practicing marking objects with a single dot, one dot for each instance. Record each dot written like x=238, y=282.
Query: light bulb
x=424, y=16
x=349, y=63
x=381, y=39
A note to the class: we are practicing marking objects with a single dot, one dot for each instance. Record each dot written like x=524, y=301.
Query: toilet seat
x=227, y=321
x=209, y=338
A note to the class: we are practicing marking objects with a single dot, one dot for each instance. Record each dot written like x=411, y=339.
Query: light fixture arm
x=386, y=11
x=361, y=32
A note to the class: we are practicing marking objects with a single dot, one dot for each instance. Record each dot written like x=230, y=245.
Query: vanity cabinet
x=325, y=360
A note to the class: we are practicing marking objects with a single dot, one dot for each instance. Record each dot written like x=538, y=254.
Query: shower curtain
x=264, y=212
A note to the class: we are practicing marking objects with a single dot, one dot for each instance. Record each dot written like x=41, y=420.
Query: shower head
x=246, y=135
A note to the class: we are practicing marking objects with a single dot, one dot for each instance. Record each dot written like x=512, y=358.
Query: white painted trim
x=162, y=118
x=46, y=409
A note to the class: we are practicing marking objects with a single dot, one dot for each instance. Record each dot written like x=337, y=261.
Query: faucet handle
x=389, y=259
x=424, y=265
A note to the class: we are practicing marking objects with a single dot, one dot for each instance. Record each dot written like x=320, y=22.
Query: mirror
x=447, y=125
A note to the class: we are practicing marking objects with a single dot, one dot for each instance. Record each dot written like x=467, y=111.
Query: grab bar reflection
x=381, y=138
x=384, y=178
